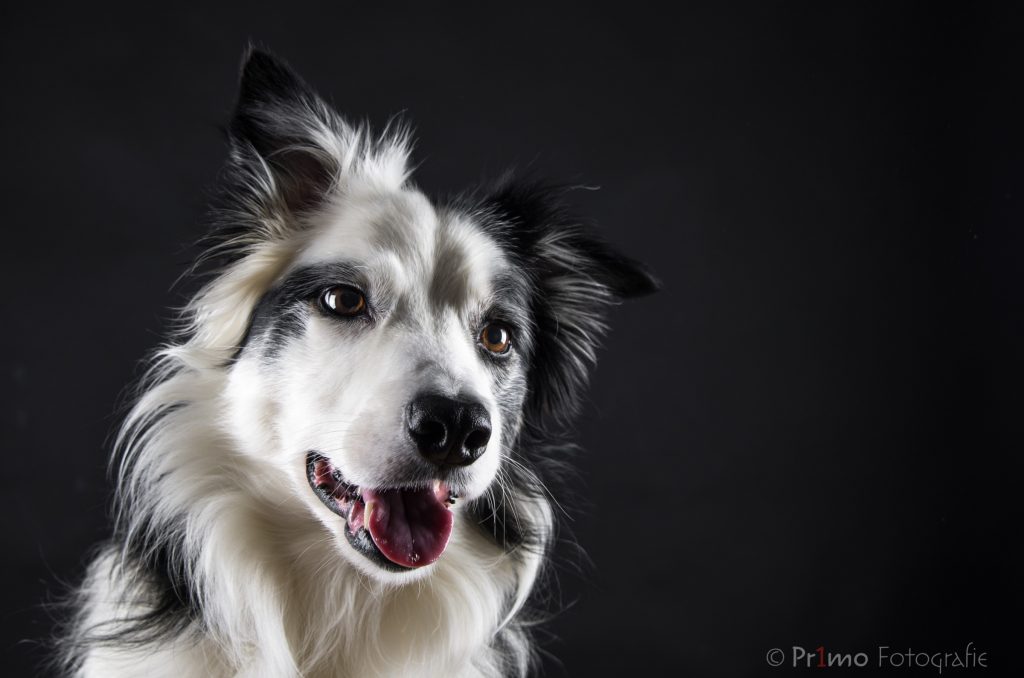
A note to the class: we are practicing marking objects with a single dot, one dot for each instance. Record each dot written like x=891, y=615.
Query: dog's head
x=395, y=349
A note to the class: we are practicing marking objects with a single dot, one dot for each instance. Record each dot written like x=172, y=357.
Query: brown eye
x=344, y=301
x=496, y=338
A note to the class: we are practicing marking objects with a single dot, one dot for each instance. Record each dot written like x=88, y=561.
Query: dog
x=340, y=463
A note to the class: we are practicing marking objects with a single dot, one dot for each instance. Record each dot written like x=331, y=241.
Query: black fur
x=275, y=115
x=271, y=137
x=520, y=215
x=166, y=589
x=281, y=312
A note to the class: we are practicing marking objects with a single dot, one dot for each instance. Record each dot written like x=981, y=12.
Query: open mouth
x=397, y=528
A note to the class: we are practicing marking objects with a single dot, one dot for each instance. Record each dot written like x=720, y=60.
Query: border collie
x=338, y=465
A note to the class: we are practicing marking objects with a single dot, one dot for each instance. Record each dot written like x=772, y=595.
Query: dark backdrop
x=809, y=437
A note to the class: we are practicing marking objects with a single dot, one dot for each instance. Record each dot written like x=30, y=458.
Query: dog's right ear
x=283, y=132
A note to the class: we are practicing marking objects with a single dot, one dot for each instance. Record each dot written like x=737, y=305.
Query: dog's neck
x=296, y=604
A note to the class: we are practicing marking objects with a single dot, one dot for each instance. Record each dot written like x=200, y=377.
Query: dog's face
x=388, y=357
x=398, y=347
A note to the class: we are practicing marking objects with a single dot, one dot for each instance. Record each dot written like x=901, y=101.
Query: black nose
x=449, y=432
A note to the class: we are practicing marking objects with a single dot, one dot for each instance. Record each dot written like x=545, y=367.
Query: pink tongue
x=410, y=527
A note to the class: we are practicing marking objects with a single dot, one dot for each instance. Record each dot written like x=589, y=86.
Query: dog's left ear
x=577, y=277
x=282, y=127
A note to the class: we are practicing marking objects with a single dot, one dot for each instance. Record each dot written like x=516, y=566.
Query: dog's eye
x=344, y=301
x=496, y=338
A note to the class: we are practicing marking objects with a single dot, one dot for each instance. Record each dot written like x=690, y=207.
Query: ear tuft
x=266, y=80
x=623, y=276
x=281, y=124
x=262, y=71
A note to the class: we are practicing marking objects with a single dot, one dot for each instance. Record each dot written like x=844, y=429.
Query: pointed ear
x=622, y=277
x=578, y=276
x=281, y=123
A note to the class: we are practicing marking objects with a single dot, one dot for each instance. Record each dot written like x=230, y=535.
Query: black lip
x=361, y=540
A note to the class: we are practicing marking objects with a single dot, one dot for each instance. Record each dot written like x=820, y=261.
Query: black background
x=809, y=437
